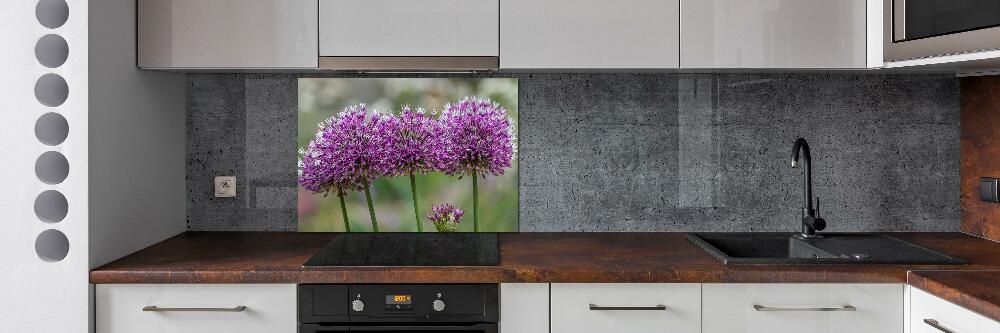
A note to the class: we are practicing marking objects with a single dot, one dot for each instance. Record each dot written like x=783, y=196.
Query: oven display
x=398, y=303
x=398, y=299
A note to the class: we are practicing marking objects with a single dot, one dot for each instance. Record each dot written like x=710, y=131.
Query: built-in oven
x=385, y=308
x=916, y=29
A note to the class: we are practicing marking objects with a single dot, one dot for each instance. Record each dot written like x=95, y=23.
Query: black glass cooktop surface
x=409, y=249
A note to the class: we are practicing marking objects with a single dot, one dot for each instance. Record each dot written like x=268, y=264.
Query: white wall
x=124, y=187
x=137, y=186
x=38, y=295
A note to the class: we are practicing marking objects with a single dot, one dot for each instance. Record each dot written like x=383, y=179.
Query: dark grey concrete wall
x=640, y=152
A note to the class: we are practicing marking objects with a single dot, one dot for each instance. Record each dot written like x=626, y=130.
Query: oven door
x=474, y=328
x=916, y=29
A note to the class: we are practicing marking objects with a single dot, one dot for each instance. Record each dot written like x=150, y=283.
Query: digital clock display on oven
x=398, y=299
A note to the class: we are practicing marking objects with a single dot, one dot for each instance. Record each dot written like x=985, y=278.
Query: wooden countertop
x=276, y=257
x=978, y=291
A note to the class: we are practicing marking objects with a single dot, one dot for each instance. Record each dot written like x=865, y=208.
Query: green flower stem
x=343, y=209
x=371, y=208
x=416, y=210
x=475, y=202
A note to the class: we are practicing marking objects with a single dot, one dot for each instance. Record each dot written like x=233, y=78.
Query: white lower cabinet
x=930, y=314
x=625, y=308
x=802, y=308
x=190, y=308
x=524, y=308
x=569, y=307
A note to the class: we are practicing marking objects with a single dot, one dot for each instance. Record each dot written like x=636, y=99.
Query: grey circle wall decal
x=52, y=167
x=52, y=13
x=51, y=51
x=51, y=128
x=51, y=90
x=51, y=206
x=52, y=245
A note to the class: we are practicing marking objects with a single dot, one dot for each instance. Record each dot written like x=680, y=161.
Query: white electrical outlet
x=225, y=187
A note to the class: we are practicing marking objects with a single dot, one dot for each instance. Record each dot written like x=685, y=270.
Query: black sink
x=835, y=248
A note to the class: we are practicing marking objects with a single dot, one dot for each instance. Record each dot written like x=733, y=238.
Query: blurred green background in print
x=320, y=98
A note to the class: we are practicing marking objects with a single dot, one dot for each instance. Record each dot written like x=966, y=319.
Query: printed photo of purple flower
x=415, y=145
x=481, y=141
x=342, y=156
x=384, y=149
x=445, y=217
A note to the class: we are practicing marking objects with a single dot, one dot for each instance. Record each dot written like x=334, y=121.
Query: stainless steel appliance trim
x=409, y=63
x=957, y=43
x=658, y=307
x=935, y=324
x=154, y=308
x=898, y=20
x=848, y=307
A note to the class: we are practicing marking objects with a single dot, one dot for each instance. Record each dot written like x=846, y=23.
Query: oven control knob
x=358, y=305
x=438, y=305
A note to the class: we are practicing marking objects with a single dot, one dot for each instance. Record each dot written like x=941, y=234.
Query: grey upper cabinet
x=508, y=34
x=581, y=34
x=401, y=28
x=192, y=34
x=409, y=34
x=775, y=34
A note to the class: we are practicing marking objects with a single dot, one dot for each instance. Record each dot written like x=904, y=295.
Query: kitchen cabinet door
x=524, y=308
x=802, y=308
x=407, y=28
x=626, y=307
x=930, y=314
x=774, y=34
x=196, y=308
x=581, y=34
x=220, y=34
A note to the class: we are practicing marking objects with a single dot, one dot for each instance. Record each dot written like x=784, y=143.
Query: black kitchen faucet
x=810, y=221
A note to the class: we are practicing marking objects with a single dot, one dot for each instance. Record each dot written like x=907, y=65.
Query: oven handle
x=485, y=328
x=315, y=328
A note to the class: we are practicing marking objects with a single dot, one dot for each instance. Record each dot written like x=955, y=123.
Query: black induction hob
x=409, y=249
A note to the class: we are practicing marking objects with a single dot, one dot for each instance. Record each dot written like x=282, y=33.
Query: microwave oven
x=915, y=29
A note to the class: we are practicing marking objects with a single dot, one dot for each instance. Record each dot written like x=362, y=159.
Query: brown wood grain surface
x=978, y=291
x=980, y=156
x=277, y=257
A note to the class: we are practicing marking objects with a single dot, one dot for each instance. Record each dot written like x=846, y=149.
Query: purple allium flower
x=480, y=136
x=346, y=153
x=415, y=143
x=445, y=217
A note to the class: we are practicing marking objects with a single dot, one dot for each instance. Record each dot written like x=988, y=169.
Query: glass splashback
x=407, y=154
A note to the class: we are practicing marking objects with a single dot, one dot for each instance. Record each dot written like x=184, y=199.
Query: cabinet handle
x=154, y=308
x=657, y=307
x=759, y=307
x=935, y=324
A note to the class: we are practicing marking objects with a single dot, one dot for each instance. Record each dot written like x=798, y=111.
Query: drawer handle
x=154, y=308
x=657, y=307
x=935, y=324
x=759, y=307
